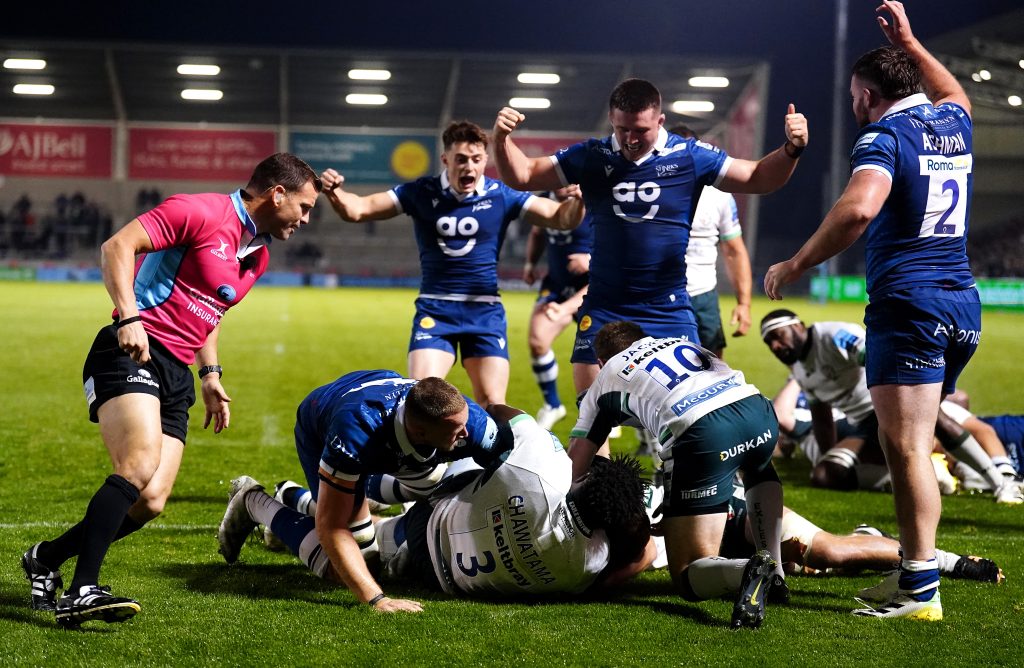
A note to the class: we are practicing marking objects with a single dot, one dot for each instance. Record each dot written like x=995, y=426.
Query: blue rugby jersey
x=459, y=237
x=563, y=243
x=641, y=211
x=919, y=238
x=359, y=428
x=1010, y=429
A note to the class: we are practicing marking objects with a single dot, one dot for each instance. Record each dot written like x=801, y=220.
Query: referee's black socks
x=103, y=518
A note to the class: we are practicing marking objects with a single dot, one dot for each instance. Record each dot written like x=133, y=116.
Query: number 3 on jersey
x=946, y=212
x=475, y=566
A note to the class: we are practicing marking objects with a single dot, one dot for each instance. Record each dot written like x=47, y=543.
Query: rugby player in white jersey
x=522, y=527
x=710, y=424
x=827, y=360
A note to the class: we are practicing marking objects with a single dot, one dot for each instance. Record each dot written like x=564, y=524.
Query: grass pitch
x=268, y=610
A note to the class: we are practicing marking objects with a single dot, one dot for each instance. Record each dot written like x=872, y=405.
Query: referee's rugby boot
x=93, y=603
x=237, y=524
x=45, y=582
x=758, y=576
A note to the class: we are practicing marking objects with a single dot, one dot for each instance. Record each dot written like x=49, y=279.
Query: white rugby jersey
x=664, y=384
x=833, y=371
x=715, y=220
x=513, y=531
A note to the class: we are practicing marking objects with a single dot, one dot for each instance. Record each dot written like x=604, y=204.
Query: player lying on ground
x=809, y=549
x=517, y=526
x=1001, y=436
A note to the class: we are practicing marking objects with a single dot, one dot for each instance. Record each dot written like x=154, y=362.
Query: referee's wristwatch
x=212, y=368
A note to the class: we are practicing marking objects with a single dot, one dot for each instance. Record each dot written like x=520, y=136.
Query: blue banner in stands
x=368, y=158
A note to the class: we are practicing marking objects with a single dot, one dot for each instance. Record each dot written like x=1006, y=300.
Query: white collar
x=249, y=243
x=915, y=100
x=402, y=438
x=446, y=185
x=659, y=145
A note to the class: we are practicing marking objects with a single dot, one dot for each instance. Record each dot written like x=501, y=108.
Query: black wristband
x=127, y=321
x=375, y=600
x=795, y=153
x=212, y=368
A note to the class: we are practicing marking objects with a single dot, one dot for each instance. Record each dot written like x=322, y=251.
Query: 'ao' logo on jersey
x=636, y=200
x=449, y=227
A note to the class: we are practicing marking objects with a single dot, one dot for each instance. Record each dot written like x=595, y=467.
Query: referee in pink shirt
x=172, y=273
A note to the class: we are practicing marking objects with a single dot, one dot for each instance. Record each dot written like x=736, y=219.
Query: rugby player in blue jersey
x=911, y=191
x=641, y=185
x=561, y=293
x=363, y=423
x=460, y=219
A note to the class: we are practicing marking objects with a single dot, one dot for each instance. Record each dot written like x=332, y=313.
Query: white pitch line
x=60, y=525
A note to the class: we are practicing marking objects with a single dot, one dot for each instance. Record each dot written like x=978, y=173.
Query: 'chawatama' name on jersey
x=515, y=543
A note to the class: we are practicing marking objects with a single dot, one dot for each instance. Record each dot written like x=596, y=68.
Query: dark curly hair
x=612, y=498
x=615, y=337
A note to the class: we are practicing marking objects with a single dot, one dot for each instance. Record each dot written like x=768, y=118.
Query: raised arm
x=564, y=215
x=773, y=170
x=939, y=83
x=353, y=208
x=117, y=263
x=515, y=169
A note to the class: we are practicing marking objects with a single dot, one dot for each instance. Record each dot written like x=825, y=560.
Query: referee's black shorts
x=110, y=372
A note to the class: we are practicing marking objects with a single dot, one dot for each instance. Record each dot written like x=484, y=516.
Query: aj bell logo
x=221, y=252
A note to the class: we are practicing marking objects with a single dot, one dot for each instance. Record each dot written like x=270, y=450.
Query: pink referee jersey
x=205, y=262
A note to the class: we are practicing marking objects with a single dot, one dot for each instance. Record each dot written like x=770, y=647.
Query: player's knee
x=824, y=555
x=538, y=347
x=138, y=469
x=831, y=475
x=150, y=505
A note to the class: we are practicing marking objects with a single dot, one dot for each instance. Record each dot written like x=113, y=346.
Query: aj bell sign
x=56, y=150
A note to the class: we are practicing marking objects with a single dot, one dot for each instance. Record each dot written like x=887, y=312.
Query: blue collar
x=243, y=215
x=248, y=225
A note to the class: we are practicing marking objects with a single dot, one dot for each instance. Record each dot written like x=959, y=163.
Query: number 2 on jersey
x=946, y=211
